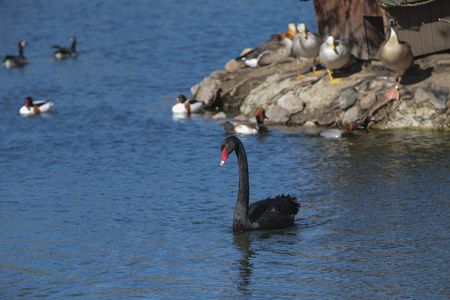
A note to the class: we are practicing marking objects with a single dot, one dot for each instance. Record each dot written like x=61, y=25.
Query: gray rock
x=206, y=90
x=291, y=103
x=276, y=114
x=368, y=100
x=219, y=116
x=352, y=114
x=348, y=98
x=439, y=96
x=421, y=95
x=240, y=118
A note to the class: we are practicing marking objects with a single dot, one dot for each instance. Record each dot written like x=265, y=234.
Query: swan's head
x=302, y=29
x=228, y=145
x=330, y=41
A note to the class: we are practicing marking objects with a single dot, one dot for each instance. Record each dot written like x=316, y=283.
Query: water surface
x=110, y=196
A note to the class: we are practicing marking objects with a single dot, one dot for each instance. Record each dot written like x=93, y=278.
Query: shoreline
x=360, y=96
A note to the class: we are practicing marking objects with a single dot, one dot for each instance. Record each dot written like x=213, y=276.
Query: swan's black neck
x=241, y=220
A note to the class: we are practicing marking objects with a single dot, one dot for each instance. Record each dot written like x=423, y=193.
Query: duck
x=337, y=133
x=11, y=61
x=246, y=128
x=187, y=106
x=32, y=108
x=272, y=213
x=63, y=52
x=306, y=44
x=395, y=55
x=334, y=54
x=275, y=49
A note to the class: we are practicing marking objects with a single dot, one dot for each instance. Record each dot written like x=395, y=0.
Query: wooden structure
x=363, y=23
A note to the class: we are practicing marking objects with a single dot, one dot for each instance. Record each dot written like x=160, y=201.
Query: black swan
x=271, y=213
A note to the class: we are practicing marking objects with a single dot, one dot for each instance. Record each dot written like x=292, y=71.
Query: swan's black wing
x=274, y=213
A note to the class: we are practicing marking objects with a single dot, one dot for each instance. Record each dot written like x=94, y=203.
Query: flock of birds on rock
x=31, y=107
x=333, y=53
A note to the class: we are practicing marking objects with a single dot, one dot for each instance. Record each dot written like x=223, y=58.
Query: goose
x=306, y=44
x=334, y=54
x=395, y=55
x=11, y=61
x=275, y=49
x=32, y=108
x=63, y=52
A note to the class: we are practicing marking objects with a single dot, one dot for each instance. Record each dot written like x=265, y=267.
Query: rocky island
x=360, y=95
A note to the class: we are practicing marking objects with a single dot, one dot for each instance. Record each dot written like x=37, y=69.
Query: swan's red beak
x=224, y=156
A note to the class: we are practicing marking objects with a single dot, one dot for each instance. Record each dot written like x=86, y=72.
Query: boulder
x=352, y=114
x=438, y=96
x=291, y=103
x=348, y=98
x=219, y=116
x=276, y=114
x=368, y=100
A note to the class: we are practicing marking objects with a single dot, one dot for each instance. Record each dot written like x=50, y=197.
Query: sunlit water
x=109, y=196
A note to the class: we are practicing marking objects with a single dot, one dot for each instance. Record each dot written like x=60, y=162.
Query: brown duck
x=396, y=56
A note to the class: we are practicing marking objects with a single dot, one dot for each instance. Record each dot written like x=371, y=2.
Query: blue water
x=109, y=196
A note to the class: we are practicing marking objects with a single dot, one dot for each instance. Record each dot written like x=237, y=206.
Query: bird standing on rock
x=306, y=44
x=334, y=54
x=275, y=49
x=396, y=56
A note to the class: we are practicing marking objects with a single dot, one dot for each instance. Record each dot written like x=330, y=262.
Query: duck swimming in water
x=32, y=108
x=187, y=106
x=11, y=61
x=246, y=128
x=63, y=52
x=337, y=133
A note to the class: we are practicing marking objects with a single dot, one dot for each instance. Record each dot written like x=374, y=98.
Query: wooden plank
x=446, y=28
x=426, y=29
x=374, y=32
x=436, y=26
